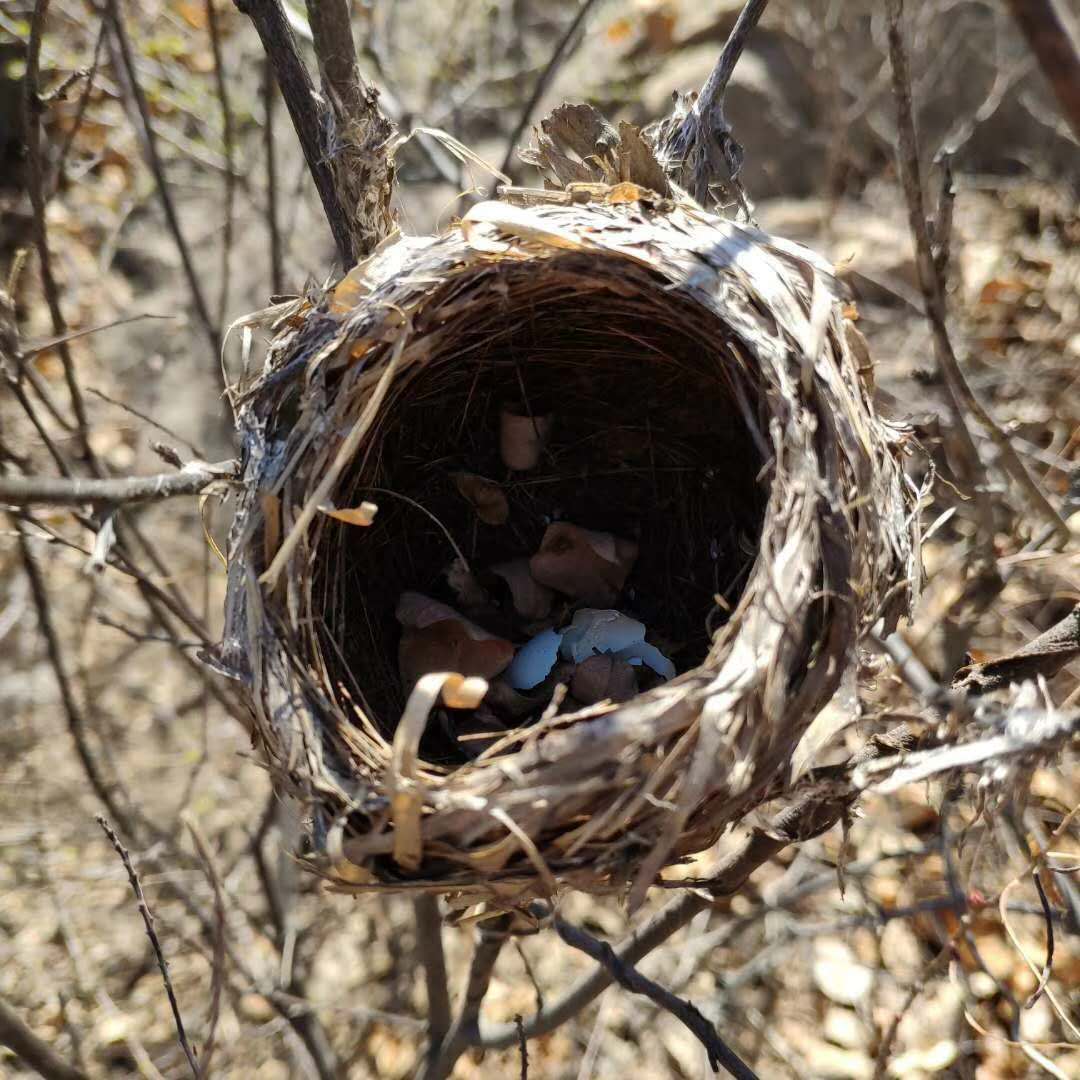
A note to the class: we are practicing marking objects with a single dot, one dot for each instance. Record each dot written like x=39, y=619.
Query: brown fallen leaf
x=437, y=638
x=586, y=565
x=531, y=599
x=603, y=678
x=521, y=439
x=485, y=497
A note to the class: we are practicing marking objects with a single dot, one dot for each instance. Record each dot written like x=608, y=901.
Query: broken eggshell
x=534, y=660
x=586, y=565
x=531, y=599
x=521, y=439
x=593, y=632
x=437, y=638
x=603, y=678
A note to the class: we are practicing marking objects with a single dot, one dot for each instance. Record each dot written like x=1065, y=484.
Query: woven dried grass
x=764, y=475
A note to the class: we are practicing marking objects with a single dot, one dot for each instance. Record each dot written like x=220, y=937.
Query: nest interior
x=711, y=401
x=648, y=441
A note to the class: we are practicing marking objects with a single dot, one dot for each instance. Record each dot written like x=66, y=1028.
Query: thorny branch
x=155, y=943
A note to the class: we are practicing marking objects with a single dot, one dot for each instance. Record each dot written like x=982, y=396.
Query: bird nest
x=711, y=400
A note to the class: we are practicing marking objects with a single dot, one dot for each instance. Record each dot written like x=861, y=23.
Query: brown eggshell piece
x=521, y=439
x=449, y=645
x=531, y=599
x=603, y=678
x=586, y=565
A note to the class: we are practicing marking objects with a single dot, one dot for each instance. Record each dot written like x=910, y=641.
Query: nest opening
x=657, y=435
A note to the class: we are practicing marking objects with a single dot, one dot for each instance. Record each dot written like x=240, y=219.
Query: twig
x=148, y=140
x=698, y=148
x=217, y=974
x=829, y=797
x=151, y=933
x=523, y=1046
x=1048, y=967
x=429, y=946
x=76, y=721
x=277, y=276
x=32, y=1051
x=308, y=113
x=559, y=55
x=118, y=491
x=932, y=281
x=1057, y=52
x=221, y=85
x=36, y=190
x=1043, y=656
x=464, y=1031
x=720, y=1054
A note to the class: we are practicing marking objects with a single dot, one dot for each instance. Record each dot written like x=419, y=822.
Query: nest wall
x=713, y=400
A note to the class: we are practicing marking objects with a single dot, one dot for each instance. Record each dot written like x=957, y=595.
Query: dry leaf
x=485, y=497
x=586, y=565
x=364, y=514
x=531, y=599
x=521, y=439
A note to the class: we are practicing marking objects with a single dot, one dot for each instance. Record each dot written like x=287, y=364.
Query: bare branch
x=429, y=946
x=696, y=144
x=118, y=491
x=720, y=1054
x=1057, y=52
x=932, y=281
x=148, y=141
x=36, y=190
x=221, y=85
x=1045, y=655
x=151, y=933
x=76, y=721
x=562, y=51
x=32, y=1051
x=829, y=796
x=464, y=1032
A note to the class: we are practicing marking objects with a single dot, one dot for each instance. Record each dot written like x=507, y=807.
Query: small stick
x=429, y=946
x=1056, y=50
x=230, y=174
x=277, y=275
x=689, y=146
x=118, y=491
x=626, y=975
x=35, y=187
x=32, y=1051
x=217, y=977
x=931, y=279
x=302, y=102
x=559, y=55
x=151, y=933
x=463, y=1033
x=153, y=160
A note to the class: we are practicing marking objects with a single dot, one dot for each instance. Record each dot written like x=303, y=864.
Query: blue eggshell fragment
x=642, y=651
x=600, y=630
x=534, y=660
